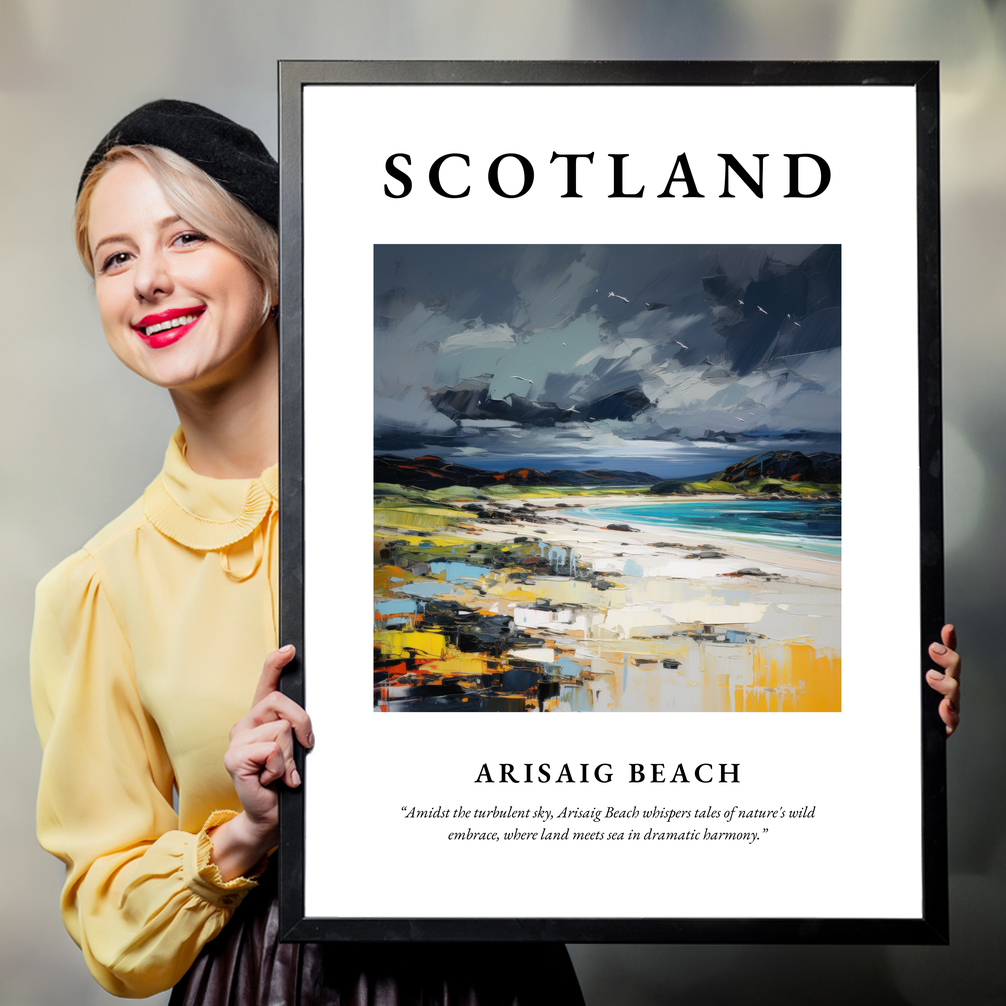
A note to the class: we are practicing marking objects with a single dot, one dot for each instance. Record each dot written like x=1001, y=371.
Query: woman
x=149, y=642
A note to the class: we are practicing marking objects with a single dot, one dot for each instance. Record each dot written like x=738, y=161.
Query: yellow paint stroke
x=400, y=644
x=792, y=677
x=461, y=663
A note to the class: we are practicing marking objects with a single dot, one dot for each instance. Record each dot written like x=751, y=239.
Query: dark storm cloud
x=623, y=342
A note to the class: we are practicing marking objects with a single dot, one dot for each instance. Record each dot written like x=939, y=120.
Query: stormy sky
x=667, y=358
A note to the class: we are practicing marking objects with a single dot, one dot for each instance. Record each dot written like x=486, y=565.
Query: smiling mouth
x=185, y=319
x=167, y=321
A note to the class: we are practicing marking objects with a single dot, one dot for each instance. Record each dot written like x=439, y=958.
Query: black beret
x=231, y=154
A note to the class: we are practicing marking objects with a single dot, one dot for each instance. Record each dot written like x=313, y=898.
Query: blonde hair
x=199, y=200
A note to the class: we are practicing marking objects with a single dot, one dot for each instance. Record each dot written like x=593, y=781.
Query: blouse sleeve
x=141, y=898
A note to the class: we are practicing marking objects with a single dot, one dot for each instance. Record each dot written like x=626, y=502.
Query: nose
x=152, y=277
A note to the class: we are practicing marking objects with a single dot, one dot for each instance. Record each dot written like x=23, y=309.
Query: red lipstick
x=166, y=327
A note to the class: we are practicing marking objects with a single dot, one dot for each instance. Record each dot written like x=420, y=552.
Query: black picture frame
x=931, y=927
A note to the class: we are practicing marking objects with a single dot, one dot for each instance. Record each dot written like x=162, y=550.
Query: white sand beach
x=649, y=618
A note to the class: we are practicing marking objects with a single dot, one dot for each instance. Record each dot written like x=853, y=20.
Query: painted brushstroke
x=589, y=503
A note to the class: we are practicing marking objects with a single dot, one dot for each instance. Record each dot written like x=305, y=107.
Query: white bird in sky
x=571, y=409
x=619, y=296
x=517, y=377
x=763, y=311
x=739, y=420
x=740, y=302
x=680, y=343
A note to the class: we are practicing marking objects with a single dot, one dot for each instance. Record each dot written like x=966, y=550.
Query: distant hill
x=771, y=471
x=431, y=472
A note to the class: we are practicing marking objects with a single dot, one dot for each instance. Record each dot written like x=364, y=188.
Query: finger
x=949, y=636
x=945, y=685
x=276, y=706
x=273, y=708
x=279, y=733
x=949, y=708
x=274, y=766
x=262, y=761
x=950, y=716
x=948, y=659
x=271, y=670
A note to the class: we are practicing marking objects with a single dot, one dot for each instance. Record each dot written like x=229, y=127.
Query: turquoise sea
x=808, y=525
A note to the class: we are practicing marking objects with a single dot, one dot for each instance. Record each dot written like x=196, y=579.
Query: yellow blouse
x=147, y=647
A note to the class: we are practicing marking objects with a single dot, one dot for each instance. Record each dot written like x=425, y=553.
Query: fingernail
x=951, y=706
x=310, y=740
x=295, y=777
x=936, y=675
x=938, y=648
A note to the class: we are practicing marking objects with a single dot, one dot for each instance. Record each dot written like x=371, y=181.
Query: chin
x=170, y=374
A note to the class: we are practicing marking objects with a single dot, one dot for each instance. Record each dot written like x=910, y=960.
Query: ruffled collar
x=203, y=513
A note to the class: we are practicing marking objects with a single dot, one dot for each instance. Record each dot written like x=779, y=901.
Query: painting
x=607, y=478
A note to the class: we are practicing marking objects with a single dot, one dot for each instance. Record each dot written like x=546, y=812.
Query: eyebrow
x=111, y=238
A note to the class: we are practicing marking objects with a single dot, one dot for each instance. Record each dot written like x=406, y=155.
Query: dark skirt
x=246, y=965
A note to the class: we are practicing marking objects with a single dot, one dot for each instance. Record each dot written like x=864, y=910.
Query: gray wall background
x=82, y=436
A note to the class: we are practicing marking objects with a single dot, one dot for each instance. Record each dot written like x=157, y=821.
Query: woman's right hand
x=259, y=754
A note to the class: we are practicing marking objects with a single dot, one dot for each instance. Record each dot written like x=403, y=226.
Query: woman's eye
x=190, y=238
x=114, y=261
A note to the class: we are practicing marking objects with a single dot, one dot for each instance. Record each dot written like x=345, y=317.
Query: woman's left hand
x=948, y=681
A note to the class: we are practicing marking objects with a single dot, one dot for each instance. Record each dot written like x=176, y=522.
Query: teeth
x=174, y=323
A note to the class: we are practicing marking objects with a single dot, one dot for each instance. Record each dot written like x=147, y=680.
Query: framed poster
x=566, y=430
